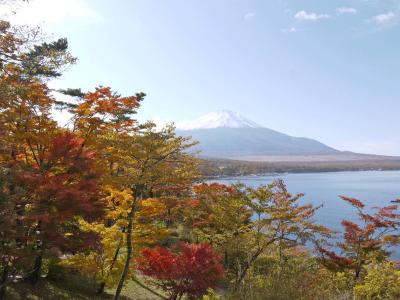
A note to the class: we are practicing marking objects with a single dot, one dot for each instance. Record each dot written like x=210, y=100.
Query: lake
x=374, y=188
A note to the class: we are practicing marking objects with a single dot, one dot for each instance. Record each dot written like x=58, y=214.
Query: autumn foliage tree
x=152, y=163
x=61, y=189
x=222, y=216
x=27, y=132
x=25, y=49
x=105, y=263
x=367, y=241
x=189, y=270
x=142, y=169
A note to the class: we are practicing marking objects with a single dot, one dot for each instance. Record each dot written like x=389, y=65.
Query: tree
x=26, y=127
x=150, y=163
x=24, y=49
x=365, y=242
x=220, y=215
x=190, y=271
x=223, y=217
x=105, y=263
x=62, y=185
x=103, y=112
x=139, y=164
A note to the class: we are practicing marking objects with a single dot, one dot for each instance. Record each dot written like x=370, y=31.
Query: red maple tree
x=59, y=188
x=368, y=240
x=190, y=271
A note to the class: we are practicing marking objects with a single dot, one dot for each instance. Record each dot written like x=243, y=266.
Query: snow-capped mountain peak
x=219, y=119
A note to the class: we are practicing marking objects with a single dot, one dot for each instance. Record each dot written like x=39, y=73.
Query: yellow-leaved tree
x=143, y=170
x=153, y=164
x=106, y=261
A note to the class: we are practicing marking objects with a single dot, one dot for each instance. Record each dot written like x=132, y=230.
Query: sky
x=323, y=69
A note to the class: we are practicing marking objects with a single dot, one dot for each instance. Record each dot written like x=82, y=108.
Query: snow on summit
x=219, y=119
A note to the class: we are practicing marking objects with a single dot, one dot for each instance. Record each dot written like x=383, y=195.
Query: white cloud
x=303, y=15
x=290, y=30
x=384, y=18
x=346, y=10
x=249, y=16
x=50, y=11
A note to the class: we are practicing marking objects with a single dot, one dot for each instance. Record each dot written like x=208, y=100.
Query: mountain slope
x=226, y=134
x=237, y=142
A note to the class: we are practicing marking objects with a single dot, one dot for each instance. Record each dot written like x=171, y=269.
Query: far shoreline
x=223, y=169
x=249, y=176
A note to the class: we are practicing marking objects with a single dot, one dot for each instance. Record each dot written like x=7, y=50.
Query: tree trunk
x=129, y=252
x=116, y=254
x=131, y=216
x=34, y=276
x=247, y=266
x=103, y=283
x=3, y=282
x=226, y=259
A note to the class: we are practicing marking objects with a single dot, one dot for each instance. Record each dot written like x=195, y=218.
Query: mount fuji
x=220, y=119
x=226, y=134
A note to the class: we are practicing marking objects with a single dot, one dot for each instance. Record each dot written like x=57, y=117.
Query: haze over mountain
x=229, y=135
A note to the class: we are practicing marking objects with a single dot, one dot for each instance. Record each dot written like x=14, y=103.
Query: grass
x=71, y=289
x=134, y=291
x=46, y=289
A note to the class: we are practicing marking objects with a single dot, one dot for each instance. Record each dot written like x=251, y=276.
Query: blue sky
x=328, y=70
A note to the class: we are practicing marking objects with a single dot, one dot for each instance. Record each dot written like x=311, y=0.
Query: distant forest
x=226, y=168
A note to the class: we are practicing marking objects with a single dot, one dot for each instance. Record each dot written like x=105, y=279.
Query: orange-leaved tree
x=27, y=136
x=143, y=168
x=369, y=240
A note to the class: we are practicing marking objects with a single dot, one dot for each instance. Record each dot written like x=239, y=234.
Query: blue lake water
x=374, y=188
